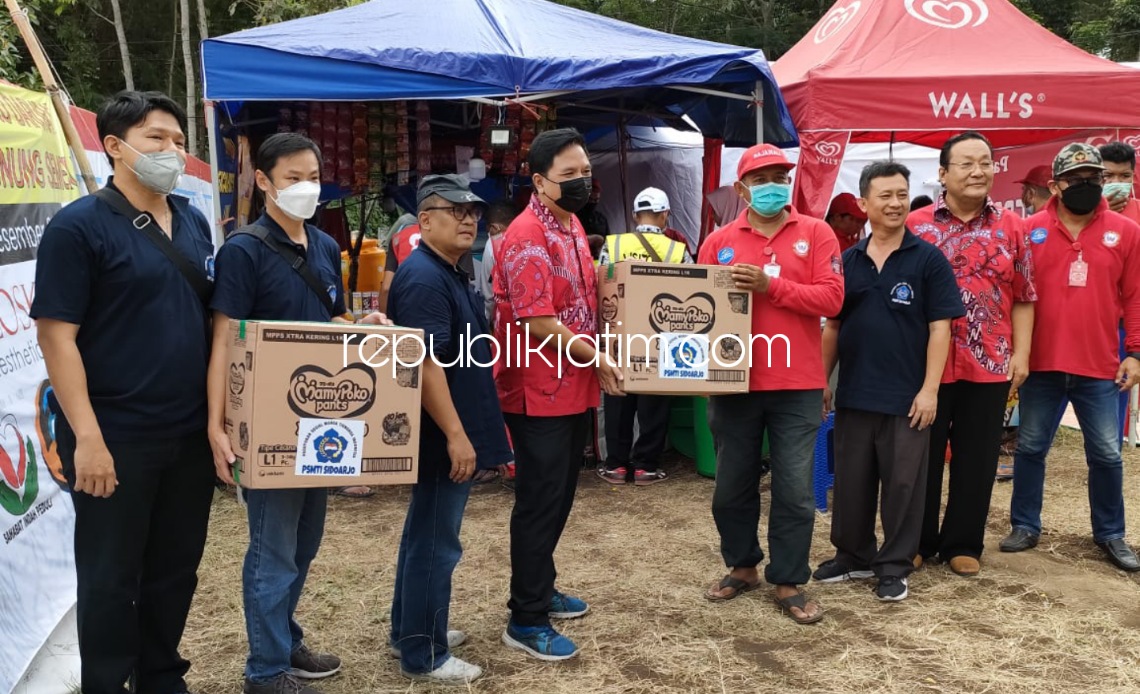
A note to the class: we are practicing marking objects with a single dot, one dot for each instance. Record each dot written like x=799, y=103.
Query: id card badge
x=772, y=269
x=1078, y=272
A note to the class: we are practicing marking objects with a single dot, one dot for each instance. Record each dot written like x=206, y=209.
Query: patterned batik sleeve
x=1024, y=288
x=528, y=273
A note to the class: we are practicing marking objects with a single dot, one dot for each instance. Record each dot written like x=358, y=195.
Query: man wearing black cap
x=463, y=430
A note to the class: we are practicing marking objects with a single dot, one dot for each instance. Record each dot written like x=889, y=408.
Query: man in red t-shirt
x=1087, y=264
x=791, y=264
x=989, y=347
x=546, y=296
x=1119, y=159
x=846, y=219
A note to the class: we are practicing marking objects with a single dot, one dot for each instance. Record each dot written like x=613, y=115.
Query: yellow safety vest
x=628, y=247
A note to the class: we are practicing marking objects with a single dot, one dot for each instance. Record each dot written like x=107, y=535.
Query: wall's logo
x=668, y=314
x=314, y=392
x=949, y=15
x=837, y=18
x=829, y=150
x=1133, y=141
x=18, y=470
x=984, y=105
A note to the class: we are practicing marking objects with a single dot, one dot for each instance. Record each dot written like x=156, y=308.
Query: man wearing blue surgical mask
x=791, y=266
x=279, y=268
x=122, y=282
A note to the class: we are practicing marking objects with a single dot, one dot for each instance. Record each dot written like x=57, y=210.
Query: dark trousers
x=548, y=458
x=652, y=415
x=970, y=417
x=873, y=449
x=738, y=422
x=136, y=561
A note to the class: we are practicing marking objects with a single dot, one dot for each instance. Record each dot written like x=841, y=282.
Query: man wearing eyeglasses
x=463, y=430
x=989, y=349
x=1087, y=259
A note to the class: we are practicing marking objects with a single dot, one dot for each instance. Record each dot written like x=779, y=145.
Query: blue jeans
x=429, y=551
x=285, y=529
x=1095, y=403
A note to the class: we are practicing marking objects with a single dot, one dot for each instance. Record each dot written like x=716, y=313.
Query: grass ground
x=1053, y=620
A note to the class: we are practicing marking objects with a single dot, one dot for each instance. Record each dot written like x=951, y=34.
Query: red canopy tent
x=918, y=70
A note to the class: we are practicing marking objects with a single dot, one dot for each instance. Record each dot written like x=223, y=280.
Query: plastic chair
x=823, y=472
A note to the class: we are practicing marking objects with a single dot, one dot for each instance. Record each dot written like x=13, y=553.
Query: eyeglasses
x=1096, y=179
x=460, y=212
x=969, y=166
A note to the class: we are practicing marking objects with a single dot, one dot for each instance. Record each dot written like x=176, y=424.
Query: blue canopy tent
x=597, y=71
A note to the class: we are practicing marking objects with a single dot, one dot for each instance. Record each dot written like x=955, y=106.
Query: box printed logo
x=329, y=446
x=314, y=392
x=685, y=356
x=669, y=314
x=397, y=429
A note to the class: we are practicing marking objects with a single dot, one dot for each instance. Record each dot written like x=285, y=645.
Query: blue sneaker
x=541, y=642
x=564, y=606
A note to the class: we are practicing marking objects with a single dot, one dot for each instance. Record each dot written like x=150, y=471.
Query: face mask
x=574, y=194
x=159, y=171
x=1082, y=198
x=768, y=199
x=1117, y=190
x=648, y=229
x=299, y=201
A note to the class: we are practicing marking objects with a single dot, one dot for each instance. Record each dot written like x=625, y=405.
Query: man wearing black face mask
x=1087, y=260
x=122, y=278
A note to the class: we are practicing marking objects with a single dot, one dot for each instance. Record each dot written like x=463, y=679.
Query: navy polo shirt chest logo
x=209, y=265
x=332, y=292
x=902, y=293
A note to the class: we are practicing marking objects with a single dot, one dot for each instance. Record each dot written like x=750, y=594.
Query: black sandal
x=798, y=601
x=738, y=586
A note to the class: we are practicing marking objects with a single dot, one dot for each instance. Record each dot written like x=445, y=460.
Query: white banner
x=37, y=568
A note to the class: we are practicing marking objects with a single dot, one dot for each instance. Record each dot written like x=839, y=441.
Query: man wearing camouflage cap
x=1087, y=262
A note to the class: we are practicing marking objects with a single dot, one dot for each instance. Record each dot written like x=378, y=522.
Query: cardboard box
x=703, y=322
x=306, y=409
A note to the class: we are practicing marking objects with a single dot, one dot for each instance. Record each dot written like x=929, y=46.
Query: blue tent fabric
x=449, y=49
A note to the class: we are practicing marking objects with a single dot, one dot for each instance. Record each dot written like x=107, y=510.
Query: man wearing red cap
x=989, y=350
x=1035, y=188
x=791, y=264
x=846, y=220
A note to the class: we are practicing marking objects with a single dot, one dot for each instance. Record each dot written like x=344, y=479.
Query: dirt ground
x=1052, y=620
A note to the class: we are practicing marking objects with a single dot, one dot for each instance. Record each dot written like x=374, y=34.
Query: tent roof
x=877, y=66
x=440, y=49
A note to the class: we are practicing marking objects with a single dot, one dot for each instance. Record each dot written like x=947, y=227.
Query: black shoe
x=832, y=571
x=282, y=684
x=308, y=665
x=1120, y=554
x=1018, y=540
x=891, y=589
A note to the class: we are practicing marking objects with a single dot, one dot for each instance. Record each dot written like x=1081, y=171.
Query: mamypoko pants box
x=323, y=404
x=676, y=329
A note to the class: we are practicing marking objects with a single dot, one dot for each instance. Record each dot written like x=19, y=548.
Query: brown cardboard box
x=694, y=308
x=351, y=411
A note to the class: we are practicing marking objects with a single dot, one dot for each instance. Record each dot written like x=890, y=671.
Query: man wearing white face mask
x=791, y=265
x=122, y=286
x=279, y=268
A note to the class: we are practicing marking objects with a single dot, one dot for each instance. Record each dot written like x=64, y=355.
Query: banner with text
x=37, y=568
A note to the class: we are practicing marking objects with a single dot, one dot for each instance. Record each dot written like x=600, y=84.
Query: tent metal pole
x=714, y=92
x=758, y=101
x=212, y=142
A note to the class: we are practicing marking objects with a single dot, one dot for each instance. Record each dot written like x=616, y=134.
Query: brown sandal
x=738, y=586
x=798, y=601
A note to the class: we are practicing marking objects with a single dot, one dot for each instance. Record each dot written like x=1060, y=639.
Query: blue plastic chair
x=823, y=472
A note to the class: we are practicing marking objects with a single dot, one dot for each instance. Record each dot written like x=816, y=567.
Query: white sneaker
x=454, y=638
x=454, y=671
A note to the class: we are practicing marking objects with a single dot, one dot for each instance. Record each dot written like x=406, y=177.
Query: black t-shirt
x=885, y=323
x=430, y=294
x=143, y=332
x=255, y=283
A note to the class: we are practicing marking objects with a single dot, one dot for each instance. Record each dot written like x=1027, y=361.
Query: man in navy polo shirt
x=891, y=337
x=463, y=431
x=255, y=282
x=125, y=338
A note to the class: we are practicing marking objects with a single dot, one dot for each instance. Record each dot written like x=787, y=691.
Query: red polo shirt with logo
x=808, y=288
x=543, y=269
x=992, y=262
x=405, y=241
x=1075, y=328
x=1132, y=210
